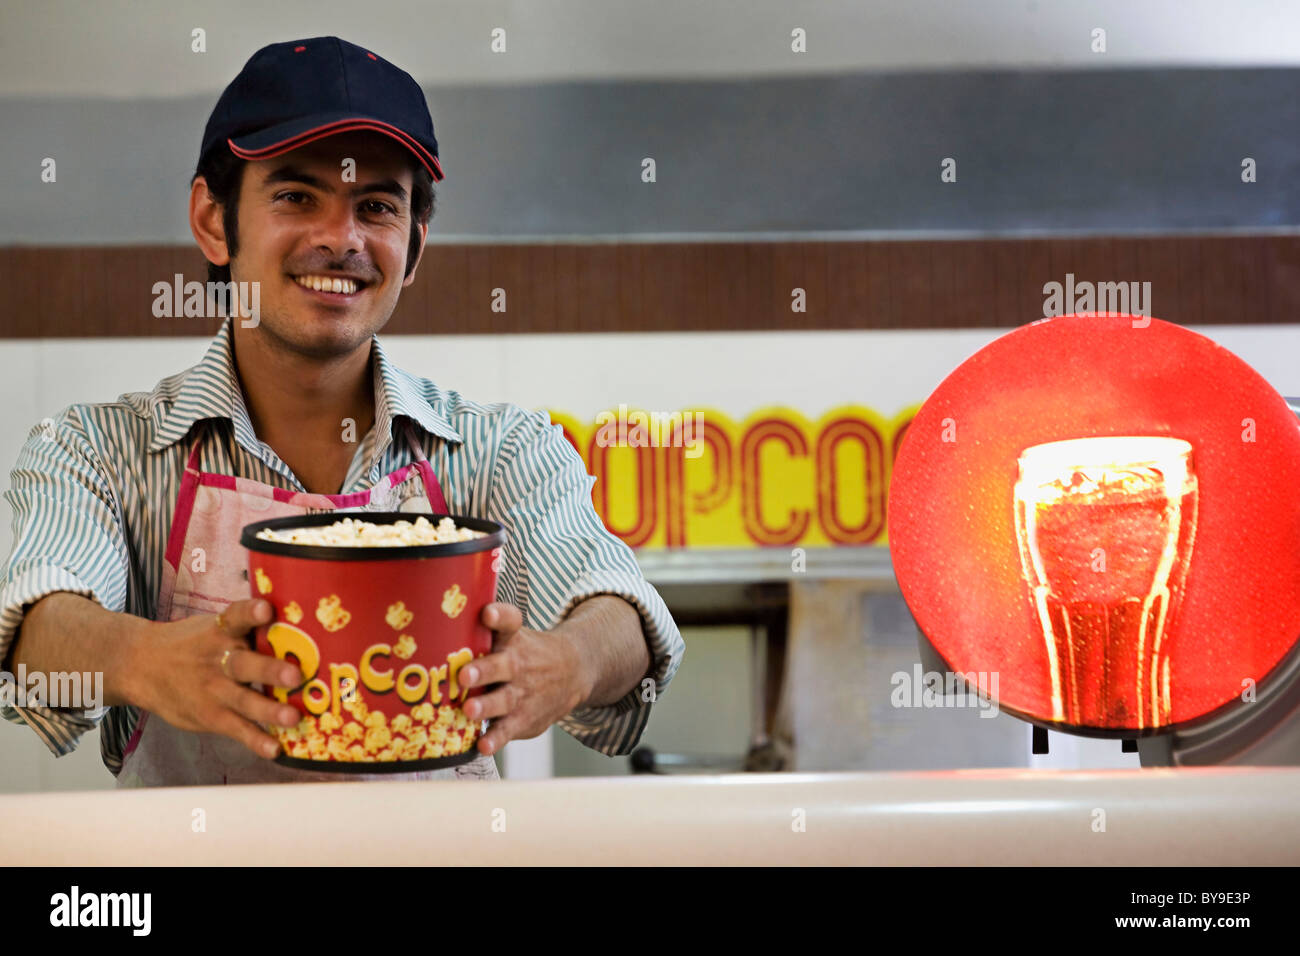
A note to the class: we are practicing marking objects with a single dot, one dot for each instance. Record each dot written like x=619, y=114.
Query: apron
x=211, y=511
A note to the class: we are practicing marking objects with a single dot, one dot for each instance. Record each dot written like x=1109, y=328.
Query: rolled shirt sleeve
x=559, y=554
x=67, y=536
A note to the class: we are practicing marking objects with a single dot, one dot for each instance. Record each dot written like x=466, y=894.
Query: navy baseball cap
x=290, y=94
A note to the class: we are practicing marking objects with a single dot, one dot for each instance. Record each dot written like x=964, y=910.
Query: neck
x=296, y=400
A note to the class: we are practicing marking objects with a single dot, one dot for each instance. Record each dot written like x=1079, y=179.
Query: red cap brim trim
x=427, y=159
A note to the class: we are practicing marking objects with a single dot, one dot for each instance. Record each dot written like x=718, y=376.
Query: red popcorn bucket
x=381, y=634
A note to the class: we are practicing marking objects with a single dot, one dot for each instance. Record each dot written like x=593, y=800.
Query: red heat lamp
x=1105, y=511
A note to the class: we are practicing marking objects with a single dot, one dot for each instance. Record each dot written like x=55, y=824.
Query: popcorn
x=453, y=601
x=404, y=647
x=357, y=708
x=352, y=533
x=263, y=582
x=422, y=733
x=331, y=614
x=293, y=612
x=398, y=617
x=377, y=738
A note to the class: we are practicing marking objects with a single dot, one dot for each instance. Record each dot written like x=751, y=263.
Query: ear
x=206, y=225
x=424, y=234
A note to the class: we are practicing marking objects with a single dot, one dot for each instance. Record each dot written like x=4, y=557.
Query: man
x=315, y=183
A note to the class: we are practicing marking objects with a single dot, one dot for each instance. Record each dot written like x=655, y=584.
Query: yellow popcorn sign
x=696, y=478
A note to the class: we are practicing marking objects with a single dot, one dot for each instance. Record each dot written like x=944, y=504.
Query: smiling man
x=315, y=182
x=305, y=364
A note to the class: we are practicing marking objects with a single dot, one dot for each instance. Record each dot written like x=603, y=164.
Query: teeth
x=327, y=284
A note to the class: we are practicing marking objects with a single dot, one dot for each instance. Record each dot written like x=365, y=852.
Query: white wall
x=75, y=47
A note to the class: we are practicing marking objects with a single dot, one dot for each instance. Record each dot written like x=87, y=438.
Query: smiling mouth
x=331, y=285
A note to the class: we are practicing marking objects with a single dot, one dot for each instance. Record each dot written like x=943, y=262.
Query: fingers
x=490, y=669
x=242, y=616
x=500, y=616
x=231, y=725
x=498, y=703
x=248, y=667
x=500, y=732
x=244, y=709
x=241, y=709
x=252, y=706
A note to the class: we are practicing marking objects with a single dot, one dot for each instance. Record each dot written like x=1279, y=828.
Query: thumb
x=499, y=616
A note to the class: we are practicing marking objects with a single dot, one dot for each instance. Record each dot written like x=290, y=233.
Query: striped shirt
x=94, y=488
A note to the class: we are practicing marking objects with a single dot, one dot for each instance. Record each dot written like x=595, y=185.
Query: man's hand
x=542, y=678
x=177, y=675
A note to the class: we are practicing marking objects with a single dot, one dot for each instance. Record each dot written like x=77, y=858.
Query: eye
x=283, y=195
x=383, y=206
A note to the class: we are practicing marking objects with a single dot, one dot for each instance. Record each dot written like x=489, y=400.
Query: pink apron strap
x=131, y=744
x=184, y=506
x=431, y=487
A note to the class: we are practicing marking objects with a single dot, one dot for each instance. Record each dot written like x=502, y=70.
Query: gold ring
x=221, y=624
x=225, y=657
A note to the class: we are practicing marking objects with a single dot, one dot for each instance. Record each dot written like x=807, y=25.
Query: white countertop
x=1211, y=816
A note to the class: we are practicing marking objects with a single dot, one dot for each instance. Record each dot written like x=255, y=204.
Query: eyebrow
x=292, y=174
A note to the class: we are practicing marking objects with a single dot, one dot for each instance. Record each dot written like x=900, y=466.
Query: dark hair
x=224, y=173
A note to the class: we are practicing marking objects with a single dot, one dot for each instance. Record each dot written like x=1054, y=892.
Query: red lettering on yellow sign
x=647, y=510
x=828, y=497
x=768, y=429
x=776, y=479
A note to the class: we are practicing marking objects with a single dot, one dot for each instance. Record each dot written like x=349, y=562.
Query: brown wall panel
x=101, y=291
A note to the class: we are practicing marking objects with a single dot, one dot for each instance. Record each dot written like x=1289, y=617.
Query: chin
x=321, y=335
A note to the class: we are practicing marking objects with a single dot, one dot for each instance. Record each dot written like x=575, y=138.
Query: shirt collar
x=211, y=390
x=399, y=393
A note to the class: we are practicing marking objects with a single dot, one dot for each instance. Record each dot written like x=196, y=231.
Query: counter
x=1203, y=816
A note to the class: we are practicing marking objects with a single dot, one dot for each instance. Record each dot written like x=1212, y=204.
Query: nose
x=337, y=230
